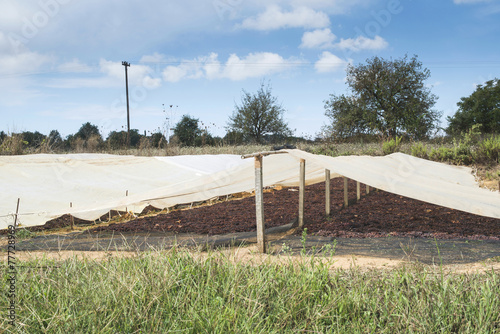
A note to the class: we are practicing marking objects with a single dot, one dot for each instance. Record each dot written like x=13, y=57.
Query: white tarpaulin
x=94, y=184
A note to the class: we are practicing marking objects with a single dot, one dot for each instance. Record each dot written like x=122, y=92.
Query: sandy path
x=249, y=254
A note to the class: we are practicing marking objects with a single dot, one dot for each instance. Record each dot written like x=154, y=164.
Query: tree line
x=388, y=99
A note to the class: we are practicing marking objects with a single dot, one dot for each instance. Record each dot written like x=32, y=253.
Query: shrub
x=13, y=145
x=392, y=145
x=420, y=151
x=462, y=152
x=488, y=150
x=443, y=154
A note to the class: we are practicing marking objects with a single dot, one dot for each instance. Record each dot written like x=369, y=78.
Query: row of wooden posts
x=259, y=194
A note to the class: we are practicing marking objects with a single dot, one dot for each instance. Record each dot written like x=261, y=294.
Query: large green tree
x=118, y=139
x=188, y=131
x=55, y=140
x=88, y=130
x=258, y=116
x=389, y=98
x=481, y=107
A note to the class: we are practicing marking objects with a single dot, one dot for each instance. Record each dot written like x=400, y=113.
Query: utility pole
x=124, y=63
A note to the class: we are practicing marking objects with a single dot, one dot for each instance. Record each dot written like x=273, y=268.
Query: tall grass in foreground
x=176, y=291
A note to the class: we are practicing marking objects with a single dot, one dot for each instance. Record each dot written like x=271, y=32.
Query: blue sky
x=60, y=60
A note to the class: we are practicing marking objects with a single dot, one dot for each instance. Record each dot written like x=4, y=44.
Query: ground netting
x=427, y=251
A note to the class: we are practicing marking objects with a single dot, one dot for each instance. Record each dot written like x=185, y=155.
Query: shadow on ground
x=280, y=239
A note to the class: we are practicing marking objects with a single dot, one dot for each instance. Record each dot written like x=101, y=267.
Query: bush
x=392, y=145
x=442, y=154
x=13, y=145
x=488, y=150
x=420, y=151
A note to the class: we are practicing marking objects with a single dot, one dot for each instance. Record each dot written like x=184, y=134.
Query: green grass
x=177, y=292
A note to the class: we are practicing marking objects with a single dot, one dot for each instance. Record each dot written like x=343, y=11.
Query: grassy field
x=177, y=291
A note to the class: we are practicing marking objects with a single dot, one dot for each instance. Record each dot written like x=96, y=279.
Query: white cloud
x=138, y=75
x=362, y=43
x=154, y=58
x=193, y=69
x=17, y=60
x=254, y=65
x=175, y=73
x=74, y=66
x=320, y=38
x=212, y=67
x=327, y=6
x=329, y=62
x=109, y=74
x=274, y=18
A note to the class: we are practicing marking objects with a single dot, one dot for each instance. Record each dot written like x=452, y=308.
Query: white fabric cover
x=94, y=184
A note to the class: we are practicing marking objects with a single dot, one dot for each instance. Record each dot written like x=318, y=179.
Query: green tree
x=158, y=140
x=389, y=98
x=187, y=131
x=349, y=119
x=233, y=137
x=118, y=139
x=33, y=139
x=54, y=139
x=259, y=115
x=481, y=107
x=88, y=130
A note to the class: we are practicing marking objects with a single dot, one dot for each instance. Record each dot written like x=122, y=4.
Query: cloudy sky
x=61, y=60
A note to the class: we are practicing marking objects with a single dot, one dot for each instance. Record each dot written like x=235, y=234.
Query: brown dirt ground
x=378, y=214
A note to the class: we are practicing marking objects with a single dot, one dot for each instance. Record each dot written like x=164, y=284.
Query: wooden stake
x=327, y=192
x=367, y=189
x=71, y=217
x=302, y=188
x=17, y=213
x=259, y=205
x=358, y=191
x=346, y=196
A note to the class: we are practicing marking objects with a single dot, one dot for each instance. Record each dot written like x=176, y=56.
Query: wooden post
x=327, y=192
x=367, y=189
x=259, y=205
x=358, y=191
x=71, y=217
x=346, y=196
x=17, y=213
x=302, y=188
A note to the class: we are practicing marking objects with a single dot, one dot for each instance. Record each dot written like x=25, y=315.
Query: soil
x=378, y=214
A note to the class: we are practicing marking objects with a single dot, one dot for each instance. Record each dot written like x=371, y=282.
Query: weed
x=286, y=249
x=303, y=240
x=23, y=234
x=330, y=249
